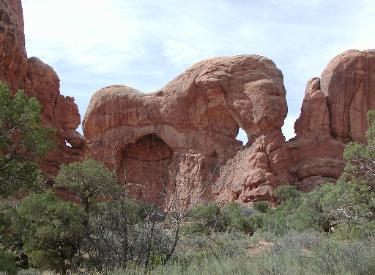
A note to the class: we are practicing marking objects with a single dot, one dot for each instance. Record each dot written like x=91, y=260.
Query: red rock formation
x=314, y=119
x=349, y=84
x=333, y=113
x=13, y=59
x=180, y=142
x=315, y=156
x=38, y=80
x=181, y=139
x=188, y=132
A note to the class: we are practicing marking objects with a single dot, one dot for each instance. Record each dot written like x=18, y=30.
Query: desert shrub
x=207, y=214
x=140, y=243
x=238, y=218
x=23, y=140
x=50, y=229
x=7, y=263
x=290, y=216
x=90, y=180
x=118, y=231
x=194, y=228
x=332, y=257
x=294, y=253
x=217, y=244
x=287, y=193
x=120, y=235
x=261, y=206
x=205, y=219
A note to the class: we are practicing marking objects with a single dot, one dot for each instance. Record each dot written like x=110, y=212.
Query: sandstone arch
x=198, y=115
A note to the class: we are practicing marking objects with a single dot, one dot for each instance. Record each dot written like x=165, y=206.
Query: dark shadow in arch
x=144, y=168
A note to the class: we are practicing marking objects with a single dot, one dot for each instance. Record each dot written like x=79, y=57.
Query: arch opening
x=144, y=168
x=68, y=144
x=242, y=136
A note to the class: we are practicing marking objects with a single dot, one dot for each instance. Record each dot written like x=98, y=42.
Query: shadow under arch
x=144, y=168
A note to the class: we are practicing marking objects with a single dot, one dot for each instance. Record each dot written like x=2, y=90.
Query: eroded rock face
x=38, y=80
x=188, y=130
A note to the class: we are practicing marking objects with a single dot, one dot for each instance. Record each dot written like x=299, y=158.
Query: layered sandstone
x=38, y=80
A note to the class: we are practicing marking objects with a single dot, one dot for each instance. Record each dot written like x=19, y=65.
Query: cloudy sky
x=146, y=43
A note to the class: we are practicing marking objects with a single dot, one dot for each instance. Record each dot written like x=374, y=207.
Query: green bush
x=261, y=206
x=194, y=228
x=360, y=157
x=207, y=213
x=287, y=193
x=7, y=263
x=23, y=140
x=50, y=230
x=90, y=180
x=238, y=218
x=209, y=218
